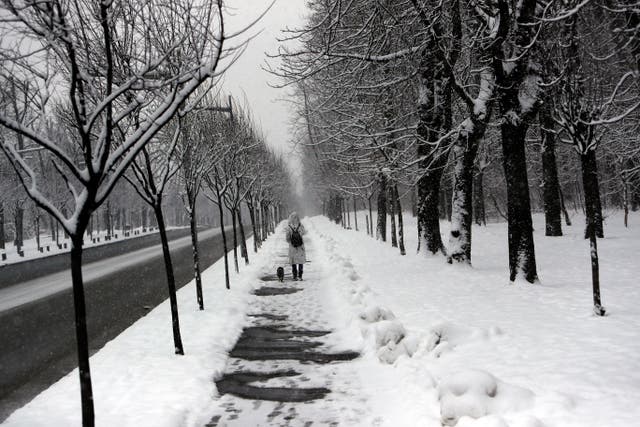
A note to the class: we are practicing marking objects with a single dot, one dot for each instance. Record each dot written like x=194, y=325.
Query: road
x=37, y=329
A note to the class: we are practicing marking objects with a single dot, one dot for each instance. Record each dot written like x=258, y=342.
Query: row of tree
x=22, y=219
x=395, y=94
x=93, y=94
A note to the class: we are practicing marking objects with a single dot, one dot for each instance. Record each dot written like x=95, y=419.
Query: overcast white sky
x=246, y=75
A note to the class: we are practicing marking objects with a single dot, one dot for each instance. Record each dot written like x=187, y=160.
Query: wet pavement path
x=284, y=370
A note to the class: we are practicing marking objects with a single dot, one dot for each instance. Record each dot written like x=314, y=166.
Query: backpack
x=296, y=237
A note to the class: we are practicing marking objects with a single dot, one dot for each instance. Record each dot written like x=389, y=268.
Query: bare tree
x=588, y=106
x=150, y=174
x=113, y=62
x=198, y=157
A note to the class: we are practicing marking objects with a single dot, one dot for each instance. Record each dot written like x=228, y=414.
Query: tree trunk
x=625, y=203
x=243, y=238
x=355, y=213
x=252, y=216
x=267, y=220
x=392, y=212
x=18, y=221
x=370, y=217
x=567, y=220
x=464, y=152
x=196, y=257
x=366, y=217
x=52, y=228
x=260, y=227
x=82, y=340
x=264, y=222
x=259, y=219
x=381, y=228
x=479, y=211
x=334, y=211
x=598, y=309
x=522, y=260
x=593, y=208
x=224, y=242
x=2, y=237
x=551, y=187
x=434, y=121
x=428, y=213
x=171, y=281
x=235, y=241
x=348, y=212
x=400, y=221
x=37, y=224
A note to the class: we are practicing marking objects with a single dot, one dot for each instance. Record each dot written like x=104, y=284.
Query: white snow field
x=482, y=352
x=441, y=344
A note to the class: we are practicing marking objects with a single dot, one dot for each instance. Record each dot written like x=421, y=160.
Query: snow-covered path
x=305, y=365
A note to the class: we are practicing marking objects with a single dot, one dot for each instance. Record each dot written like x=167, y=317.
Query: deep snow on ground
x=520, y=354
x=440, y=343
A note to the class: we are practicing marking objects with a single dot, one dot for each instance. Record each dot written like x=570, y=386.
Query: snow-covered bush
x=476, y=393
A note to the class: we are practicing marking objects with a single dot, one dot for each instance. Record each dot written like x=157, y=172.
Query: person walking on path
x=297, y=255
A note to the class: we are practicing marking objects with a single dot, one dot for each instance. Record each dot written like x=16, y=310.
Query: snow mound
x=392, y=351
x=375, y=314
x=476, y=394
x=445, y=336
x=385, y=336
x=388, y=331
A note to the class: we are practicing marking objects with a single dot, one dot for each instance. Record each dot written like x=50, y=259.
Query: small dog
x=280, y=273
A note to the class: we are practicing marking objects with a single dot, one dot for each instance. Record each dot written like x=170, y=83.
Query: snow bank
x=476, y=393
x=382, y=333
